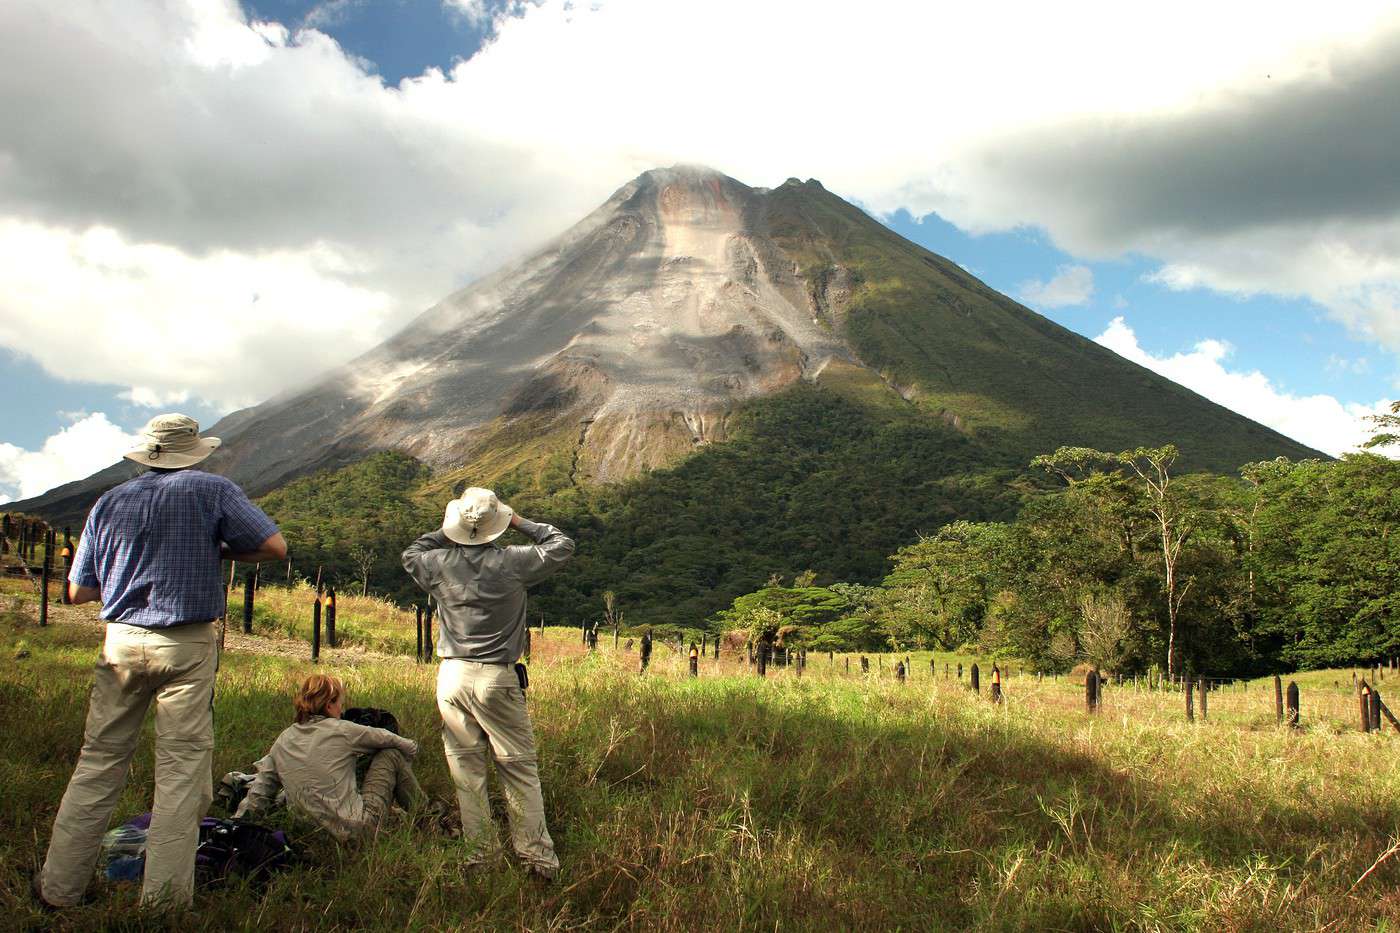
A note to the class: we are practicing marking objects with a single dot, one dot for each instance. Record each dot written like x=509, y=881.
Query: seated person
x=315, y=759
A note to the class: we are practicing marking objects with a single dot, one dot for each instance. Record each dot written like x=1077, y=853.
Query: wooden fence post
x=418, y=630
x=67, y=555
x=1363, y=697
x=1292, y=710
x=1204, y=685
x=248, y=591
x=848, y=664
x=1091, y=691
x=45, y=575
x=1375, y=710
x=959, y=670
x=429, y=643
x=996, y=684
x=1278, y=695
x=864, y=664
x=975, y=680
x=646, y=651
x=330, y=617
x=1190, y=699
x=899, y=671
x=694, y=660
x=527, y=644
x=316, y=629
x=228, y=590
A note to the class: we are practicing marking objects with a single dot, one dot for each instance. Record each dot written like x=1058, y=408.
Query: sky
x=205, y=203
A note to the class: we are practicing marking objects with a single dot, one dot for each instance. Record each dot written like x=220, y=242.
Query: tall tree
x=1174, y=524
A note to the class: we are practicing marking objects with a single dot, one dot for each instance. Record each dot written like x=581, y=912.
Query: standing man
x=151, y=553
x=479, y=587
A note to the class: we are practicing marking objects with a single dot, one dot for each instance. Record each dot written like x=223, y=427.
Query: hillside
x=810, y=479
x=960, y=350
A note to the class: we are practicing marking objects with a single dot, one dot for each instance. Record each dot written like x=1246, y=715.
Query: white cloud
x=96, y=307
x=217, y=157
x=329, y=13
x=1071, y=285
x=146, y=397
x=1341, y=365
x=1320, y=421
x=88, y=444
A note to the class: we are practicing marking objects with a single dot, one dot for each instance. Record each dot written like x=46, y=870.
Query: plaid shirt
x=151, y=546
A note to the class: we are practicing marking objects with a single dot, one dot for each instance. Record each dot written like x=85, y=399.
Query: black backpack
x=374, y=718
x=229, y=849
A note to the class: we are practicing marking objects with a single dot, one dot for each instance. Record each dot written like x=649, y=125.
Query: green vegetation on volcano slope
x=810, y=479
x=1014, y=378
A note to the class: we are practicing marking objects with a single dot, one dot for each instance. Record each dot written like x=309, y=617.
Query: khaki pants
x=175, y=667
x=389, y=779
x=483, y=714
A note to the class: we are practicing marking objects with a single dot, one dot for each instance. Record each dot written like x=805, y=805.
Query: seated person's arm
x=370, y=739
x=262, y=793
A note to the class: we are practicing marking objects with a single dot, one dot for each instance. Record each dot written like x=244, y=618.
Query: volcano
x=632, y=339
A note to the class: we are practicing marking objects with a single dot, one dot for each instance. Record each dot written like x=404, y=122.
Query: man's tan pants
x=175, y=667
x=483, y=713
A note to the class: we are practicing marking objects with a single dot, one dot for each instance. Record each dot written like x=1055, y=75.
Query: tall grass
x=826, y=801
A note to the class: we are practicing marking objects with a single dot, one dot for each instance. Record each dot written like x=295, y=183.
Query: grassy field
x=828, y=801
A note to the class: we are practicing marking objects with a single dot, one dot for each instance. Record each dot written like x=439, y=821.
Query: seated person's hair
x=316, y=693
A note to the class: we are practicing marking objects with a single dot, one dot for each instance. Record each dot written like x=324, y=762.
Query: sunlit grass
x=825, y=801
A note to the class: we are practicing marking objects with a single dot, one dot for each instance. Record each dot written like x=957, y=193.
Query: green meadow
x=727, y=801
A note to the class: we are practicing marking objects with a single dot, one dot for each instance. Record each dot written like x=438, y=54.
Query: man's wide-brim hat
x=476, y=517
x=171, y=442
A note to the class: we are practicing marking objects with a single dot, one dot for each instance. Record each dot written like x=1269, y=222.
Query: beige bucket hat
x=476, y=517
x=171, y=442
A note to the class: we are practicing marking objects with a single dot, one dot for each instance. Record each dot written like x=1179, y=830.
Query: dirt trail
x=234, y=639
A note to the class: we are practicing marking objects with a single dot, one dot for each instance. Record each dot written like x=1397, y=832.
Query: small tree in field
x=612, y=616
x=1105, y=627
x=363, y=559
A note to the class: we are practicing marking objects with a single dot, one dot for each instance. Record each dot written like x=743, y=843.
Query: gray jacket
x=480, y=589
x=315, y=762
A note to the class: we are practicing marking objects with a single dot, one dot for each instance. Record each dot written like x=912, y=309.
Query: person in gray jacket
x=315, y=761
x=479, y=587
